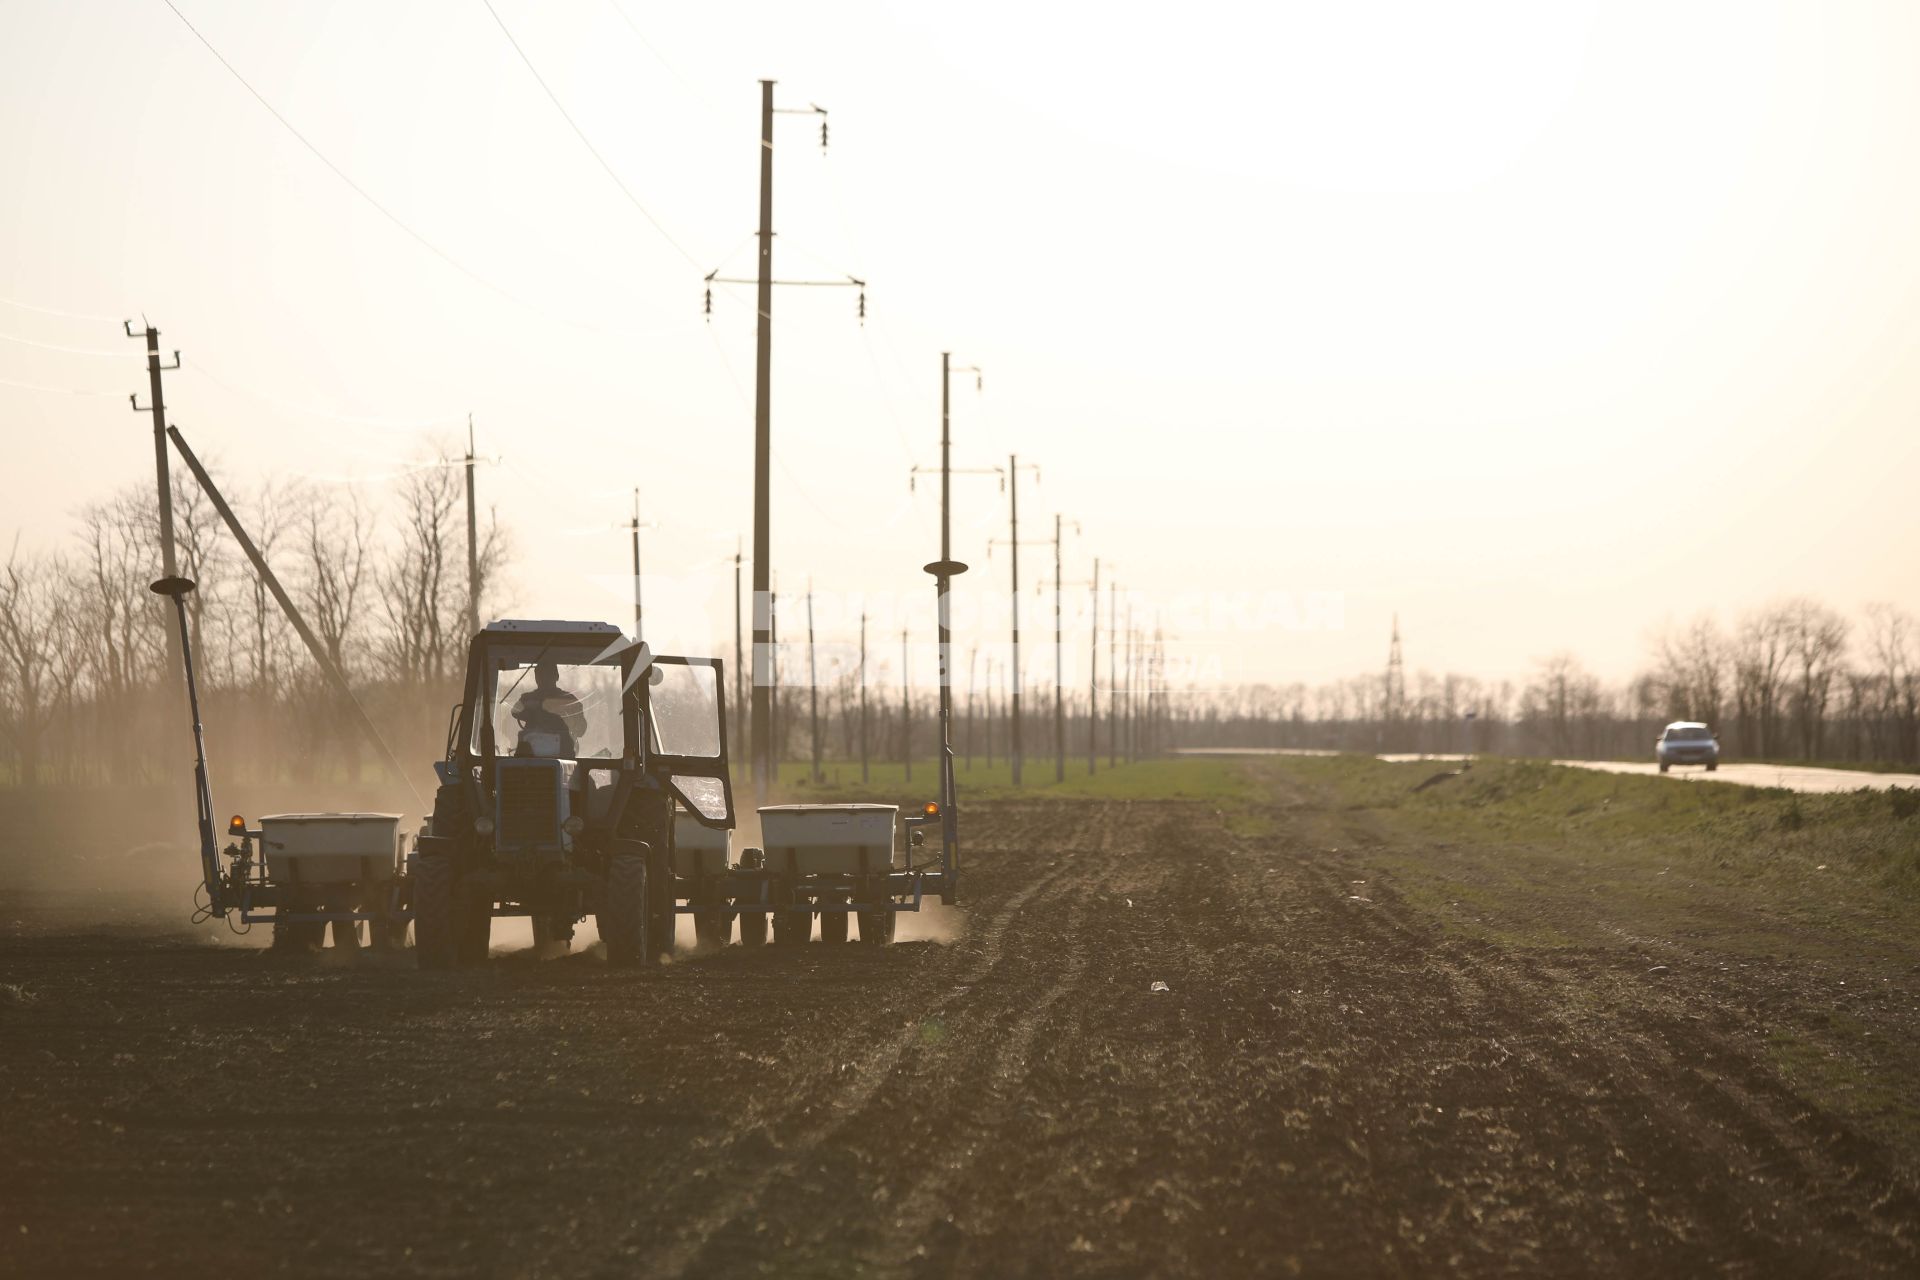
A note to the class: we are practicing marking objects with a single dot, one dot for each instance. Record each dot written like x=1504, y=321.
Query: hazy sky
x=1538, y=324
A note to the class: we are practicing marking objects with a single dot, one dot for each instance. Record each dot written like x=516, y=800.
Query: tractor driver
x=552, y=720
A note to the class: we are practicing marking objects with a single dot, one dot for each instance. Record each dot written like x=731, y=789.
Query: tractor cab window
x=545, y=707
x=684, y=705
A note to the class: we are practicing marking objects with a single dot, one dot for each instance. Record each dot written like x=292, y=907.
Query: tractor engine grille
x=529, y=804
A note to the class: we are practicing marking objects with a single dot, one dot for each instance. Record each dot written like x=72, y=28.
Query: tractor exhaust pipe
x=176, y=589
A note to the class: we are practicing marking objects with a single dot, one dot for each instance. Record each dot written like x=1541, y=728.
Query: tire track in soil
x=985, y=1108
x=1022, y=1106
x=873, y=1068
x=1809, y=1178
x=1720, y=1165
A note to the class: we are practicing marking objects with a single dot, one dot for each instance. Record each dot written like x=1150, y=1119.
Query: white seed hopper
x=699, y=849
x=828, y=839
x=330, y=848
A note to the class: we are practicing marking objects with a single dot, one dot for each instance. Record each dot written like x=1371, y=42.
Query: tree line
x=85, y=693
x=1794, y=680
x=85, y=696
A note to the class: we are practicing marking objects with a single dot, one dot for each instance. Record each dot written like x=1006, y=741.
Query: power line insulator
x=863, y=306
x=823, y=135
x=709, y=310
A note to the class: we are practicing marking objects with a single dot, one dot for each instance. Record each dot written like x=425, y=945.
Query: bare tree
x=1891, y=636
x=200, y=543
x=336, y=539
x=419, y=596
x=40, y=657
x=1761, y=655
x=1817, y=641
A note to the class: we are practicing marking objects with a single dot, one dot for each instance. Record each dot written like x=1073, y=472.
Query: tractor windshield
x=554, y=705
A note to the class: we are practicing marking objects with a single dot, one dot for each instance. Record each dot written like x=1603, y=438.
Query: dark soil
x=1329, y=1085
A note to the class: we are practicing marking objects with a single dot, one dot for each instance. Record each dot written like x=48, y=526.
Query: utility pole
x=762, y=473
x=944, y=571
x=773, y=700
x=1015, y=756
x=906, y=710
x=739, y=668
x=973, y=660
x=813, y=692
x=865, y=773
x=1113, y=677
x=1059, y=657
x=156, y=403
x=761, y=749
x=637, y=611
x=1093, y=677
x=1013, y=490
x=1133, y=668
x=473, y=544
x=989, y=711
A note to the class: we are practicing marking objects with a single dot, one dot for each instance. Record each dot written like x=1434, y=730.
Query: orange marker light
x=237, y=826
x=932, y=809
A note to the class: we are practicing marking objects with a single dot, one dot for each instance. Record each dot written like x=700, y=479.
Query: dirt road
x=1328, y=1086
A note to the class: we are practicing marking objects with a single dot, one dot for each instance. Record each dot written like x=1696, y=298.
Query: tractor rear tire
x=624, y=918
x=790, y=927
x=473, y=919
x=433, y=926
x=833, y=924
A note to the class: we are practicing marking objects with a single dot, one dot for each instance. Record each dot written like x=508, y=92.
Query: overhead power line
x=55, y=311
x=64, y=391
x=416, y=236
x=338, y=172
x=580, y=133
x=55, y=346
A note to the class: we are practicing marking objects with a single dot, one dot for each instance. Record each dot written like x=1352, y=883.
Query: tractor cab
x=571, y=759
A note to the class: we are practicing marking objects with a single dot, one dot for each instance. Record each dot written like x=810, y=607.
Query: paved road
x=1790, y=777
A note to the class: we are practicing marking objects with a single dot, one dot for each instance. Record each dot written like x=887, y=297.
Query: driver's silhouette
x=549, y=716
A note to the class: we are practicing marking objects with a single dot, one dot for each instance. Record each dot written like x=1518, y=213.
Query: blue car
x=1687, y=742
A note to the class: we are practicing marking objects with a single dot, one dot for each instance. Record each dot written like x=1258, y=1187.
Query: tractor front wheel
x=624, y=916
